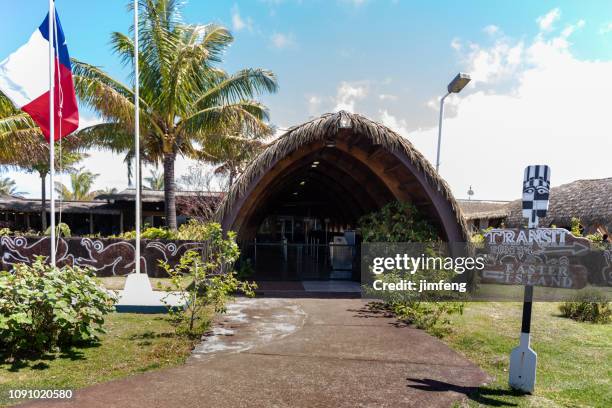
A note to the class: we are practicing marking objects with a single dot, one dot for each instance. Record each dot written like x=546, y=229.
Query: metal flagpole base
x=138, y=296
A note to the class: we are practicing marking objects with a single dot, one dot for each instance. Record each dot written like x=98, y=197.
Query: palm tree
x=155, y=181
x=233, y=154
x=186, y=100
x=8, y=186
x=81, y=182
x=22, y=146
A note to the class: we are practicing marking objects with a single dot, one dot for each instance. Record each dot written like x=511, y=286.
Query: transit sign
x=536, y=257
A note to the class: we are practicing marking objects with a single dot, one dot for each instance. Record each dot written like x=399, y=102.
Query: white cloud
x=282, y=41
x=238, y=23
x=491, y=29
x=547, y=20
x=348, y=94
x=493, y=63
x=398, y=125
x=605, y=28
x=455, y=44
x=314, y=104
x=554, y=112
x=387, y=97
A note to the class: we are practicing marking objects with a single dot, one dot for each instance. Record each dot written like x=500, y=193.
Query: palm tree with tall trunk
x=23, y=147
x=187, y=102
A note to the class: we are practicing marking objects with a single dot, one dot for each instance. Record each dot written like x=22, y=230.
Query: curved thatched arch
x=362, y=166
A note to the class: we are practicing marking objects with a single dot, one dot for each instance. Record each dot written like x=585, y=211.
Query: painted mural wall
x=109, y=257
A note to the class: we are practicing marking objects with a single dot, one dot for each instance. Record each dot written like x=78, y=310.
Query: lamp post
x=455, y=86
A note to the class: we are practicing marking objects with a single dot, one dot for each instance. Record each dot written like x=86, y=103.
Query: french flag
x=24, y=79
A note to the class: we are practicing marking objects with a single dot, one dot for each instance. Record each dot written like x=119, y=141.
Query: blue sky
x=391, y=60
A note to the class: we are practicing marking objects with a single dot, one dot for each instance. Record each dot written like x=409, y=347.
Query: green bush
x=61, y=230
x=193, y=230
x=588, y=306
x=212, y=280
x=403, y=222
x=44, y=307
x=397, y=222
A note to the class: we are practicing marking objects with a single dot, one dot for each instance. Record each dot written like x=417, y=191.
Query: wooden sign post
x=523, y=359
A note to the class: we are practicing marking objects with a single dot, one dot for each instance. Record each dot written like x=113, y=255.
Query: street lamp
x=455, y=86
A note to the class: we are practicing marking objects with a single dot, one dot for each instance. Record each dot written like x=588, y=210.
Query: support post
x=440, y=131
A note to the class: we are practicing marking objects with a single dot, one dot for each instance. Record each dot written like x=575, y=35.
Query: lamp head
x=458, y=83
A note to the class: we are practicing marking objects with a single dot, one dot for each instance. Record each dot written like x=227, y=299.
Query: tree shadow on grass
x=39, y=360
x=481, y=395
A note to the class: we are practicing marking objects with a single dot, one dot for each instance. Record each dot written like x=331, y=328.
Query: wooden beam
x=392, y=168
x=377, y=150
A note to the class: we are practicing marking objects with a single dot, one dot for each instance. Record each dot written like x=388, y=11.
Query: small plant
x=588, y=306
x=432, y=317
x=44, y=307
x=576, y=228
x=192, y=230
x=213, y=282
x=61, y=230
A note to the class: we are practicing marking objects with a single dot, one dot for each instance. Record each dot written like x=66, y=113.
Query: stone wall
x=109, y=257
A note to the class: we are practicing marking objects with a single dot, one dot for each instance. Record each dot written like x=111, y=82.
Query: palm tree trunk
x=170, y=190
x=43, y=195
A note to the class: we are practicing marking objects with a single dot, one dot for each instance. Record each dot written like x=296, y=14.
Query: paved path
x=299, y=353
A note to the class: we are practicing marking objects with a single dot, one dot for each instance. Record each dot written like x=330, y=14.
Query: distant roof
x=588, y=200
x=483, y=209
x=153, y=196
x=31, y=205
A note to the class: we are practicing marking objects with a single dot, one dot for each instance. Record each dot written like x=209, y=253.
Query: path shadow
x=378, y=310
x=481, y=395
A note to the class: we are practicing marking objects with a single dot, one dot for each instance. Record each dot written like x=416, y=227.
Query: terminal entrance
x=297, y=206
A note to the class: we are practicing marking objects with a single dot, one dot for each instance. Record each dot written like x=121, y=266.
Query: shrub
x=397, y=222
x=588, y=306
x=193, y=230
x=213, y=282
x=403, y=222
x=432, y=317
x=43, y=307
x=61, y=230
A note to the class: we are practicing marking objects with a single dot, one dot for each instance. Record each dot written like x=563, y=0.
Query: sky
x=539, y=95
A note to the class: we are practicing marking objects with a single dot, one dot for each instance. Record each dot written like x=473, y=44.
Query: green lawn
x=134, y=343
x=574, y=359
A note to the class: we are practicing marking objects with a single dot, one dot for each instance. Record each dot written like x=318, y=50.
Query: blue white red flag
x=24, y=79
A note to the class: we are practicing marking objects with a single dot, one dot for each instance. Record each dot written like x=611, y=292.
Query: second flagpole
x=137, y=135
x=52, y=122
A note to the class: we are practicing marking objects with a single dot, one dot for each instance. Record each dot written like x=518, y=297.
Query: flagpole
x=137, y=135
x=52, y=121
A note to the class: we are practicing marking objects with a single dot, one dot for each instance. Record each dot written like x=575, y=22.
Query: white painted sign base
x=523, y=362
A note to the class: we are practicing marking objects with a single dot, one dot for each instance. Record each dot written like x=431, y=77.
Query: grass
x=134, y=343
x=574, y=359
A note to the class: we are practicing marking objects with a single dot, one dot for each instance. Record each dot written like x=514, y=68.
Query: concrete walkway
x=299, y=353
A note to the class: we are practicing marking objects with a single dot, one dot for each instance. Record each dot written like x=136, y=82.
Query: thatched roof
x=29, y=205
x=319, y=130
x=483, y=210
x=588, y=200
x=155, y=196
